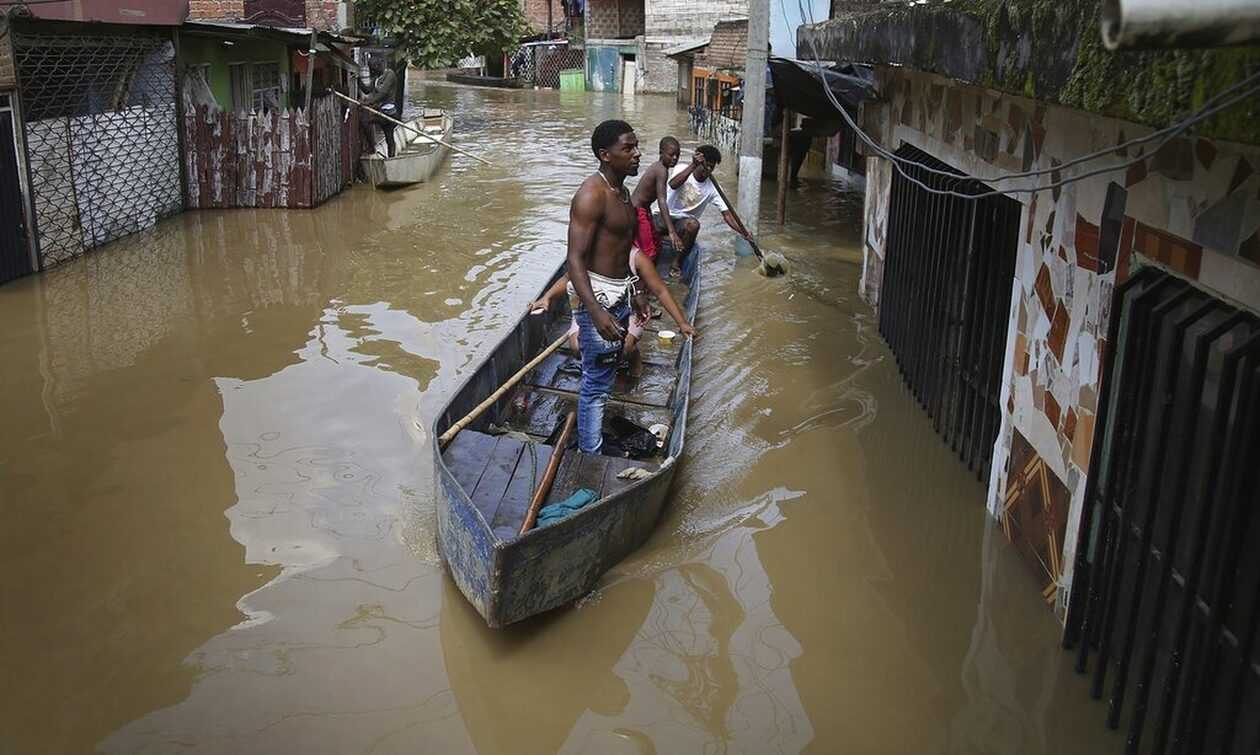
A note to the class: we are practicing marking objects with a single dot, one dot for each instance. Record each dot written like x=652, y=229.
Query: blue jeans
x=599, y=368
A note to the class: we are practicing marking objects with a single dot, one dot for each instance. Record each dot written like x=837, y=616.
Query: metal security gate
x=101, y=134
x=945, y=301
x=1167, y=592
x=15, y=258
x=540, y=63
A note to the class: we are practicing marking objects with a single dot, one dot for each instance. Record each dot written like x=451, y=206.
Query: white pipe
x=1128, y=24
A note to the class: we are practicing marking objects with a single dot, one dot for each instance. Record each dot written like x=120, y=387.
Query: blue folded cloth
x=554, y=512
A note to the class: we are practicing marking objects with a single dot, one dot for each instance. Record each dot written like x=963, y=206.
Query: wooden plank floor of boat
x=501, y=473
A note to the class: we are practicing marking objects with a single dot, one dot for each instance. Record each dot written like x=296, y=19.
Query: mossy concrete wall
x=1047, y=50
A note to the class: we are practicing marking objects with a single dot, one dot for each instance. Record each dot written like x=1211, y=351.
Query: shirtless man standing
x=654, y=188
x=602, y=225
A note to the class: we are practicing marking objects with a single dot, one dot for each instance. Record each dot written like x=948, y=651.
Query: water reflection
x=219, y=500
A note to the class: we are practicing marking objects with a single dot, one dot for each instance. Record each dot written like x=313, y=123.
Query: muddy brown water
x=218, y=497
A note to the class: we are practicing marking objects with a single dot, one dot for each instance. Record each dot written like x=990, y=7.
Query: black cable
x=1168, y=133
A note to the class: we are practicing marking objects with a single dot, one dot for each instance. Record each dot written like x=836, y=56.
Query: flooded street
x=218, y=496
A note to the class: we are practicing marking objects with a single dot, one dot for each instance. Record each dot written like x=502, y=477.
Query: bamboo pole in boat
x=549, y=476
x=454, y=429
x=411, y=128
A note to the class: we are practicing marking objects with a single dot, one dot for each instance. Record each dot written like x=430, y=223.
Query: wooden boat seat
x=537, y=411
x=562, y=371
x=501, y=474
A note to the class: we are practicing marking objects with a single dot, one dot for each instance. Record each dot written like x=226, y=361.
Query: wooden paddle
x=776, y=264
x=549, y=476
x=410, y=128
x=454, y=429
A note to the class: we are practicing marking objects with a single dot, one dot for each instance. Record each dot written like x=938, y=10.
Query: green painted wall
x=197, y=50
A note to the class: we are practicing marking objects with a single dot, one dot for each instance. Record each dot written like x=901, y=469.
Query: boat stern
x=467, y=547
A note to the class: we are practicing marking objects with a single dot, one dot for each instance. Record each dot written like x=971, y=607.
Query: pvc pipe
x=1130, y=24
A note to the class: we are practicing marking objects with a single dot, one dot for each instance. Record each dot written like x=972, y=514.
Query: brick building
x=627, y=39
x=322, y=15
x=538, y=13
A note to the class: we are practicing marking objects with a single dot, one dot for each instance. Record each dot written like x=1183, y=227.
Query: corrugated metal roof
x=690, y=45
x=728, y=46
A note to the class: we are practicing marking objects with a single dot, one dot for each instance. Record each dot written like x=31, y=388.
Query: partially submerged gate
x=1166, y=600
x=15, y=258
x=945, y=300
x=101, y=134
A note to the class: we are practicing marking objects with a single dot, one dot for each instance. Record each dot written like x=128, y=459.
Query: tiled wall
x=610, y=19
x=1192, y=206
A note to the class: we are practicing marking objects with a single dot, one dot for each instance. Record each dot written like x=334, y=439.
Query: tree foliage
x=436, y=33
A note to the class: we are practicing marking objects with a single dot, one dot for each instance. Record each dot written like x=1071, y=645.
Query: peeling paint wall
x=1192, y=207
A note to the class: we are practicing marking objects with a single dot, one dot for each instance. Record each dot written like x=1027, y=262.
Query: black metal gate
x=1165, y=604
x=15, y=258
x=945, y=301
x=101, y=133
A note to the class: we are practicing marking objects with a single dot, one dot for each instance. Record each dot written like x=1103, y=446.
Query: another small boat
x=415, y=158
x=499, y=82
x=489, y=472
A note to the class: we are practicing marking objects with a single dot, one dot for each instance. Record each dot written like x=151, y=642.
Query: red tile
x=1045, y=289
x=1052, y=409
x=1135, y=174
x=1057, y=339
x=1205, y=150
x=1086, y=244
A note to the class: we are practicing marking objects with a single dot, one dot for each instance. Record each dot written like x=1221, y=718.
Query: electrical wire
x=1167, y=133
x=1170, y=131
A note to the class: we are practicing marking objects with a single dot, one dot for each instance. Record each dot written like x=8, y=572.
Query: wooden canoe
x=485, y=481
x=415, y=158
x=499, y=82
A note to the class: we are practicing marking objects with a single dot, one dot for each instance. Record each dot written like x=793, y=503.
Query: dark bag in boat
x=626, y=439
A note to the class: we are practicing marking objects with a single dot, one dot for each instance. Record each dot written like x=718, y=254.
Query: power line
x=1167, y=133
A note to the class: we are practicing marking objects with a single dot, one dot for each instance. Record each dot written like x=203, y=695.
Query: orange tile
x=1083, y=440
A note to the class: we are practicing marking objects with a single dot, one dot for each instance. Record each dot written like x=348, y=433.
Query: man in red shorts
x=652, y=188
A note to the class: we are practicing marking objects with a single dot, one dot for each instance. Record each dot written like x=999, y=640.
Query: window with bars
x=256, y=86
x=267, y=87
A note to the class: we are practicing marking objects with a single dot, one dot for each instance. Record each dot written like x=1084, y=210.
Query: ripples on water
x=219, y=498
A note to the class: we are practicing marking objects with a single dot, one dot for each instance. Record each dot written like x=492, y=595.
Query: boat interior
x=431, y=122
x=500, y=460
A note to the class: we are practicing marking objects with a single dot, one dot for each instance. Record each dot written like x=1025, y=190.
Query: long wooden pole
x=785, y=133
x=310, y=71
x=549, y=477
x=751, y=241
x=454, y=429
x=411, y=128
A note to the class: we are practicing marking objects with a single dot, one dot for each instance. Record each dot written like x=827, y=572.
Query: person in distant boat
x=653, y=188
x=602, y=225
x=379, y=95
x=690, y=191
